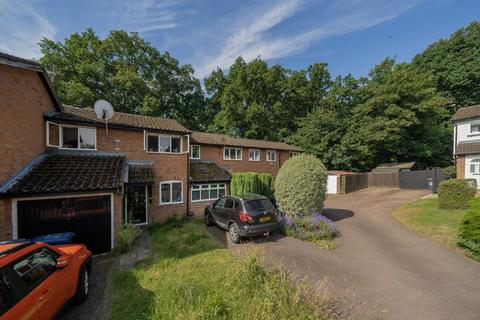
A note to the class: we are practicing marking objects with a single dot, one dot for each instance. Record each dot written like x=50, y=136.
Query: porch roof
x=140, y=172
x=208, y=171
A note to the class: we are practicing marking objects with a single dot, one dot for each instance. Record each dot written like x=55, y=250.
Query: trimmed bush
x=301, y=185
x=244, y=183
x=455, y=193
x=469, y=231
x=450, y=171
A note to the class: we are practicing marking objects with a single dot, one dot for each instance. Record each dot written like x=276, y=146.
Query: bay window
x=203, y=192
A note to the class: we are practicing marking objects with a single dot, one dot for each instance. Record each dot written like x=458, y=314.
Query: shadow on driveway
x=337, y=214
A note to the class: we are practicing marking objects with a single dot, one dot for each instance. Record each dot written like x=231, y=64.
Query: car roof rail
x=20, y=246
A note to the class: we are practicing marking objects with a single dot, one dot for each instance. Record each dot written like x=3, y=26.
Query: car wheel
x=208, y=219
x=234, y=233
x=83, y=285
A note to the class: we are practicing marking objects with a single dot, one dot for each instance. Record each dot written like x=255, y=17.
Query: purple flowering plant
x=311, y=228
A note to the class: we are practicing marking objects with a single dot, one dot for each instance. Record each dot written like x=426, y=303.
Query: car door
x=48, y=286
x=217, y=209
x=235, y=212
x=228, y=210
x=13, y=304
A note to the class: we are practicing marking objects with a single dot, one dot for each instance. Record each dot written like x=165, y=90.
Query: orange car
x=37, y=280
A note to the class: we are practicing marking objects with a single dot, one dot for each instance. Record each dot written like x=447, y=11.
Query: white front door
x=472, y=168
x=332, y=184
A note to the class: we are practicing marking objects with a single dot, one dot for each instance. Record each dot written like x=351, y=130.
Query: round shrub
x=455, y=193
x=469, y=231
x=301, y=185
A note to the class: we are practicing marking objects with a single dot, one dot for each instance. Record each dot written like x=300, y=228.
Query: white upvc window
x=71, y=137
x=271, y=155
x=204, y=192
x=171, y=192
x=475, y=128
x=254, y=155
x=160, y=143
x=475, y=166
x=294, y=153
x=232, y=153
x=194, y=151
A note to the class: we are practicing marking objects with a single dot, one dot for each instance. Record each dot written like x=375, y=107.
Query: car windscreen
x=258, y=205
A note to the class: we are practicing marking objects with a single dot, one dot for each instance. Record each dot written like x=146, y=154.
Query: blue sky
x=350, y=35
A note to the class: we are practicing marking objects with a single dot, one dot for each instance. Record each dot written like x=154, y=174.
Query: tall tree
x=455, y=65
x=260, y=101
x=126, y=70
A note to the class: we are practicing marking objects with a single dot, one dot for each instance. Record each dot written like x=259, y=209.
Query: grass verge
x=424, y=217
x=192, y=276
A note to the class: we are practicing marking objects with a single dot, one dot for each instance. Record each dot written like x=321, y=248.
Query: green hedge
x=469, y=231
x=455, y=193
x=301, y=185
x=250, y=182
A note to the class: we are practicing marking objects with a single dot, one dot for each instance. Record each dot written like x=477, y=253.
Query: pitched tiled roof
x=61, y=172
x=87, y=115
x=208, y=171
x=467, y=113
x=464, y=148
x=223, y=139
x=140, y=174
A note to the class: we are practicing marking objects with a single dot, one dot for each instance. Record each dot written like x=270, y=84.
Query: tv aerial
x=104, y=111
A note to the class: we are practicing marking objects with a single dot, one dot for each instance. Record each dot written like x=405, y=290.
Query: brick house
x=466, y=142
x=63, y=170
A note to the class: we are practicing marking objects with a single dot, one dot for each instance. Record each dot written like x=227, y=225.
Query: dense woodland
x=400, y=112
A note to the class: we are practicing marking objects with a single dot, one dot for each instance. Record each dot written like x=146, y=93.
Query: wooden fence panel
x=384, y=180
x=353, y=182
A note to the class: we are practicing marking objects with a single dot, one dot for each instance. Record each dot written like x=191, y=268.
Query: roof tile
x=208, y=171
x=464, y=148
x=467, y=113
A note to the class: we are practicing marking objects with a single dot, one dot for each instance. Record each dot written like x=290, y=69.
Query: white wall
x=463, y=130
x=468, y=174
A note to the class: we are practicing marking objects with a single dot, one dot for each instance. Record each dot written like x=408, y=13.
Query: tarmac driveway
x=381, y=268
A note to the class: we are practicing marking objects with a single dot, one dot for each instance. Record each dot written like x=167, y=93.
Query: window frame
x=60, y=136
x=209, y=188
x=269, y=152
x=159, y=136
x=230, y=153
x=294, y=153
x=476, y=124
x=254, y=150
x=191, y=153
x=170, y=182
x=475, y=163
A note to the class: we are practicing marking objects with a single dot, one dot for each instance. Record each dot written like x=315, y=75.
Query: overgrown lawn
x=192, y=276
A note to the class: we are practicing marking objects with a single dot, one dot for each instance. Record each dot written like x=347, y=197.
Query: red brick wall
x=23, y=100
x=198, y=208
x=215, y=153
x=5, y=219
x=166, y=167
x=460, y=163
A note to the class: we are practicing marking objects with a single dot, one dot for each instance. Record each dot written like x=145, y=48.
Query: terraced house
x=62, y=169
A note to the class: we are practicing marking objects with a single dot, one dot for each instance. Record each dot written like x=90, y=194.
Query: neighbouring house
x=241, y=155
x=394, y=167
x=466, y=142
x=62, y=169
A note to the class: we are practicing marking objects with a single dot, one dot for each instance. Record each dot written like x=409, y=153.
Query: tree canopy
x=400, y=112
x=126, y=70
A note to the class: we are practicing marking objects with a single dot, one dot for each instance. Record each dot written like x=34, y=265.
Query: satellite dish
x=103, y=109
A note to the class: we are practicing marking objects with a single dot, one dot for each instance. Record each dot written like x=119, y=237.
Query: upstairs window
x=232, y=154
x=71, y=137
x=475, y=128
x=254, y=155
x=164, y=143
x=293, y=153
x=271, y=155
x=194, y=152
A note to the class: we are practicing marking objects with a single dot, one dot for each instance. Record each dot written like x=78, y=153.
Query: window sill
x=203, y=200
x=253, y=160
x=232, y=159
x=169, y=203
x=170, y=153
x=194, y=158
x=473, y=135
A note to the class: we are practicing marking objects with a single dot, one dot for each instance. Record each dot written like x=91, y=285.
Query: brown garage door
x=88, y=217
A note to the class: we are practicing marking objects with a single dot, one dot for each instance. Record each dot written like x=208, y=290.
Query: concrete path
x=380, y=268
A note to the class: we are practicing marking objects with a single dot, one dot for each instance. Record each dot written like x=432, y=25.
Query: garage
x=332, y=183
x=89, y=217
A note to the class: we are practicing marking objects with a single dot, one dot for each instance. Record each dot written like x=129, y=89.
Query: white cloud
x=150, y=15
x=22, y=26
x=334, y=19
